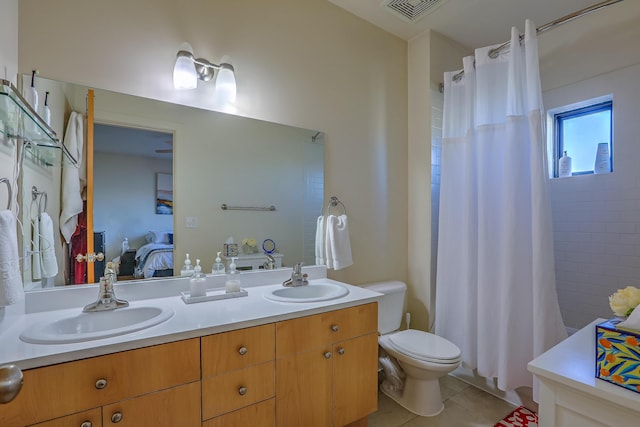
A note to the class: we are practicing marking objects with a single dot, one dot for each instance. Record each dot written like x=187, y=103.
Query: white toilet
x=423, y=357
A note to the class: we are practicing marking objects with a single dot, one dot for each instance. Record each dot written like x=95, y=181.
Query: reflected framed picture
x=164, y=193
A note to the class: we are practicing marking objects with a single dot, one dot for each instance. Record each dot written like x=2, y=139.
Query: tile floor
x=464, y=406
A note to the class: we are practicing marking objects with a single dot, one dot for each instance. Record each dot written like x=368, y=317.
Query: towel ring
x=9, y=191
x=43, y=196
x=333, y=202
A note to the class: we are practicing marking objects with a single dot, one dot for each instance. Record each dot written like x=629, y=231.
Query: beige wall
x=430, y=54
x=9, y=37
x=307, y=64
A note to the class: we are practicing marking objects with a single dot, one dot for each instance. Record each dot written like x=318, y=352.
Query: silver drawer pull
x=242, y=350
x=10, y=383
x=101, y=383
x=242, y=391
x=340, y=351
x=86, y=424
x=335, y=328
x=116, y=417
x=327, y=355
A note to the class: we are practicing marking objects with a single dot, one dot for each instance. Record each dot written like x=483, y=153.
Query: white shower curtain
x=496, y=293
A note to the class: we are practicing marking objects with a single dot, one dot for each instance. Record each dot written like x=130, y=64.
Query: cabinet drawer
x=93, y=417
x=177, y=406
x=305, y=333
x=259, y=415
x=237, y=349
x=97, y=381
x=237, y=389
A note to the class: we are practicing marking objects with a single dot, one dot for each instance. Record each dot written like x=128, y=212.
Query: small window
x=584, y=135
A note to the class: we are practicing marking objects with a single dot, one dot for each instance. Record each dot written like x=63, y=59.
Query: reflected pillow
x=156, y=236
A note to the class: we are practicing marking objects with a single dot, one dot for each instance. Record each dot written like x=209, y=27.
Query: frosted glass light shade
x=184, y=73
x=225, y=93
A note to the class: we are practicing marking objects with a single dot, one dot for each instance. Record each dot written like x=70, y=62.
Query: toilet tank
x=390, y=306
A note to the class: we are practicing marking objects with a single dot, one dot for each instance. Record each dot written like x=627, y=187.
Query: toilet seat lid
x=425, y=346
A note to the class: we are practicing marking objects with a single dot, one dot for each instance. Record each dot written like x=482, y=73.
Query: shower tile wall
x=437, y=103
x=313, y=197
x=596, y=218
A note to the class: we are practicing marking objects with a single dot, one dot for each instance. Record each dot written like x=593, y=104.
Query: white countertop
x=572, y=363
x=189, y=321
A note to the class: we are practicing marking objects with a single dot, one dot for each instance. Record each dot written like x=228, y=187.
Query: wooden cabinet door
x=178, y=406
x=355, y=379
x=303, y=389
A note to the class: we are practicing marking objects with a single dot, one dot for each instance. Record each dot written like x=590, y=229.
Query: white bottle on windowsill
x=564, y=168
x=603, y=159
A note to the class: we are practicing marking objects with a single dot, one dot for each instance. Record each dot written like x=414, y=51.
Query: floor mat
x=521, y=417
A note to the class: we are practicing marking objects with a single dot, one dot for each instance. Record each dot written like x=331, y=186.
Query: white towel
x=71, y=179
x=36, y=264
x=48, y=259
x=320, y=241
x=338, y=244
x=11, y=290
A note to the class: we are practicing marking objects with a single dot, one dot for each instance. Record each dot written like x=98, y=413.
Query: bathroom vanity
x=571, y=395
x=241, y=361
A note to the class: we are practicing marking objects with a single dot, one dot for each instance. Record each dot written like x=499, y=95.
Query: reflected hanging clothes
x=79, y=247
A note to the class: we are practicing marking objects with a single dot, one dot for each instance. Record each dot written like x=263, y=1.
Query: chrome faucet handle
x=106, y=298
x=297, y=269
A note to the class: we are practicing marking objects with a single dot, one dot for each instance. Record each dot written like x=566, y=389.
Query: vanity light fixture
x=188, y=69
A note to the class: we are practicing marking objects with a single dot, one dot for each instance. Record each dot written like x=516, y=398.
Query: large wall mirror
x=160, y=176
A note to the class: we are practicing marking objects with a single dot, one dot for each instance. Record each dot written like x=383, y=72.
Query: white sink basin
x=324, y=291
x=93, y=326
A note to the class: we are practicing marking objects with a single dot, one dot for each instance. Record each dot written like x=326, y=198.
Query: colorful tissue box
x=618, y=355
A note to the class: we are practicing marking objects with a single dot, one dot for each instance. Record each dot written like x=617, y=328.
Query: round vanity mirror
x=268, y=246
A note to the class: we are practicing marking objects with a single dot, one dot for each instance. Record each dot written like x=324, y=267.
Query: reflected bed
x=154, y=260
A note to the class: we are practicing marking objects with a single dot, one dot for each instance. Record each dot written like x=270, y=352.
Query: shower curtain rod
x=493, y=53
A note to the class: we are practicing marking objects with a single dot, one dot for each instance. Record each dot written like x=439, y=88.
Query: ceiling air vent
x=411, y=10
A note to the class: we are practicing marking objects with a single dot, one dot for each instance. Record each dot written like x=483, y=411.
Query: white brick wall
x=596, y=218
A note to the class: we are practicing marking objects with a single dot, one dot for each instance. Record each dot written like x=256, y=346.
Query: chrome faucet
x=297, y=278
x=270, y=263
x=106, y=295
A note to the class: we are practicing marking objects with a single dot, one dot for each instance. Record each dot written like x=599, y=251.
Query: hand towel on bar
x=48, y=259
x=71, y=179
x=337, y=244
x=36, y=270
x=320, y=241
x=11, y=290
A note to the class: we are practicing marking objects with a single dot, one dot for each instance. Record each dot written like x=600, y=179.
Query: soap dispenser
x=46, y=111
x=197, y=283
x=232, y=283
x=187, y=269
x=218, y=266
x=31, y=94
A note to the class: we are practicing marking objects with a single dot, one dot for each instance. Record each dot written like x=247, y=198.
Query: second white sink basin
x=93, y=326
x=323, y=291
